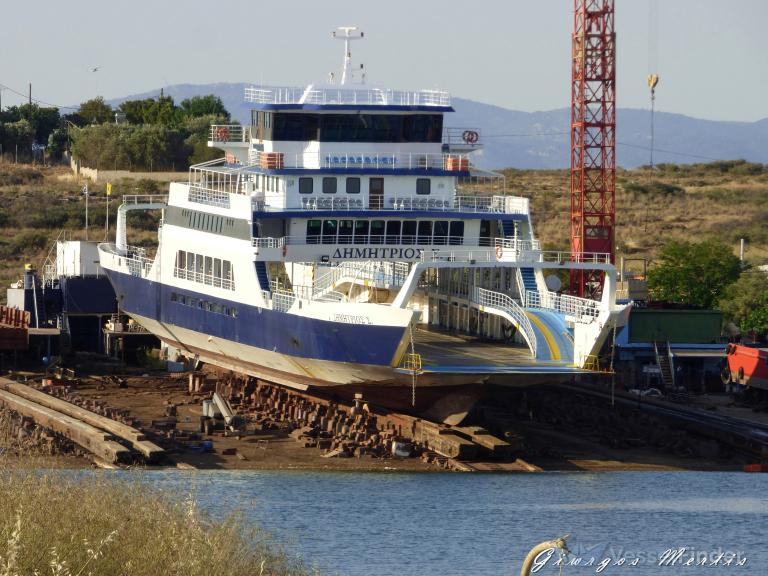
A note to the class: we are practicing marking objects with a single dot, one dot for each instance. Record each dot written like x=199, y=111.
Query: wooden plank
x=135, y=437
x=93, y=440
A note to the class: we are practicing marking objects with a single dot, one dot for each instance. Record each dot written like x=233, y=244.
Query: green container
x=675, y=326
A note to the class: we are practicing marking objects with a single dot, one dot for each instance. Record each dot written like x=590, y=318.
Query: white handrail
x=572, y=305
x=346, y=95
x=504, y=303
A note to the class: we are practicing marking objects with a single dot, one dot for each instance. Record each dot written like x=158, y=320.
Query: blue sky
x=712, y=56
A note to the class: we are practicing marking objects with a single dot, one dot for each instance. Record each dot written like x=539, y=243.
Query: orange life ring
x=499, y=252
x=222, y=134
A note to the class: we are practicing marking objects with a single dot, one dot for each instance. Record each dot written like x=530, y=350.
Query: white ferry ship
x=346, y=240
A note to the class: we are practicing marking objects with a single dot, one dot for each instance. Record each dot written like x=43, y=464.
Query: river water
x=484, y=524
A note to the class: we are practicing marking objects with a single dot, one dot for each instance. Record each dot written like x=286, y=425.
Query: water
x=484, y=524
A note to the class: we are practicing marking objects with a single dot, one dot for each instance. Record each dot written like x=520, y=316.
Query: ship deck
x=444, y=351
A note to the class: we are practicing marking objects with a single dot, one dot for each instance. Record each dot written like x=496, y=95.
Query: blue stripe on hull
x=259, y=327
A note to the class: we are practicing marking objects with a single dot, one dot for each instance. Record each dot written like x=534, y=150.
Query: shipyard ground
x=554, y=431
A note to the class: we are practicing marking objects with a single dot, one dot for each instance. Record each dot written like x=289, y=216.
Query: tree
x=693, y=273
x=746, y=301
x=209, y=105
x=96, y=111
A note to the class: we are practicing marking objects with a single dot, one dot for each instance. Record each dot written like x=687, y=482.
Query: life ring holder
x=470, y=136
x=499, y=252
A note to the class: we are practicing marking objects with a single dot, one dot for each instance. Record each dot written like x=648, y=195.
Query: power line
x=36, y=100
x=674, y=152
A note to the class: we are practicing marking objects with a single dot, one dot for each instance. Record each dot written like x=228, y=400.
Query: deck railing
x=202, y=278
x=564, y=303
x=350, y=95
x=229, y=133
x=505, y=303
x=359, y=160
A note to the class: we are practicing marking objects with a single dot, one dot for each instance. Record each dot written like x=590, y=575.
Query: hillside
x=723, y=200
x=540, y=140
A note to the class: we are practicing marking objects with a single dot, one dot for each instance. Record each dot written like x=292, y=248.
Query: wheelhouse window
x=425, y=231
x=393, y=232
x=441, y=232
x=377, y=232
x=313, y=231
x=361, y=232
x=457, y=233
x=423, y=186
x=353, y=185
x=305, y=185
x=409, y=232
x=346, y=230
x=330, y=228
x=329, y=185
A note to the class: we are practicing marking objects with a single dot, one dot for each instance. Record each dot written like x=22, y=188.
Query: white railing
x=202, y=278
x=208, y=197
x=359, y=160
x=216, y=177
x=137, y=261
x=502, y=302
x=564, y=303
x=496, y=204
x=229, y=133
x=381, y=273
x=145, y=199
x=269, y=242
x=347, y=95
x=517, y=245
x=566, y=257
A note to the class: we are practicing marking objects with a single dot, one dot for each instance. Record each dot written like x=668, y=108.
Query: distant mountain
x=542, y=140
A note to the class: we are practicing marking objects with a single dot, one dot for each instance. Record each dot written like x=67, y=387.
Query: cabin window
x=208, y=269
x=425, y=231
x=198, y=263
x=329, y=185
x=423, y=186
x=409, y=232
x=346, y=230
x=441, y=232
x=313, y=231
x=267, y=119
x=181, y=259
x=305, y=185
x=226, y=271
x=457, y=233
x=190, y=262
x=361, y=232
x=217, y=272
x=377, y=232
x=330, y=228
x=353, y=185
x=393, y=232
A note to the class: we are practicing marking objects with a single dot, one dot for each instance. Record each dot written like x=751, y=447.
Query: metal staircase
x=505, y=306
x=664, y=361
x=263, y=276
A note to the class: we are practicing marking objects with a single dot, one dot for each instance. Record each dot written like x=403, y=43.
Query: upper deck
x=333, y=97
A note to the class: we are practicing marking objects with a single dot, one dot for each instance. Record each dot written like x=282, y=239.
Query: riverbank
x=147, y=400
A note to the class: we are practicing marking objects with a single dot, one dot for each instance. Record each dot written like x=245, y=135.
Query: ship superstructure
x=346, y=240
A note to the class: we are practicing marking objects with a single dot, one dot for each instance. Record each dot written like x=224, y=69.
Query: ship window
x=267, y=119
x=425, y=231
x=313, y=231
x=226, y=270
x=457, y=232
x=174, y=297
x=409, y=232
x=393, y=232
x=190, y=261
x=198, y=263
x=441, y=232
x=181, y=259
x=305, y=185
x=423, y=186
x=217, y=272
x=377, y=231
x=329, y=231
x=346, y=228
x=361, y=231
x=329, y=185
x=208, y=266
x=353, y=185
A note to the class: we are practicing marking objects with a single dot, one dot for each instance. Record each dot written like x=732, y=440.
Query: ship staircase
x=263, y=275
x=526, y=277
x=664, y=362
x=383, y=275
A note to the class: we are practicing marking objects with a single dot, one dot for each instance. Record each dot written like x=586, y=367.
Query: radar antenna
x=347, y=33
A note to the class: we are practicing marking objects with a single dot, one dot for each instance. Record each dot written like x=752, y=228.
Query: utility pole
x=85, y=191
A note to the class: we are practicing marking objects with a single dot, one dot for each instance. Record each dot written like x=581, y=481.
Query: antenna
x=347, y=33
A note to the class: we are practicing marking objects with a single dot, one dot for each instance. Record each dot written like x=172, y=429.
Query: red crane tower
x=593, y=138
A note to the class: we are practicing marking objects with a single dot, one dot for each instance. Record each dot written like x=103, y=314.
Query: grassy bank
x=54, y=524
